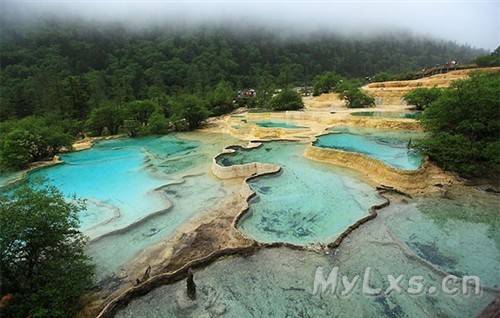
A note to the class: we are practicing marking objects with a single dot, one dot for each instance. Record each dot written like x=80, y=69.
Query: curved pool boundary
x=168, y=206
x=427, y=178
x=23, y=174
x=254, y=170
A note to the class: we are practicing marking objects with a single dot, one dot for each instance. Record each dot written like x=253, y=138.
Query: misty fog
x=473, y=23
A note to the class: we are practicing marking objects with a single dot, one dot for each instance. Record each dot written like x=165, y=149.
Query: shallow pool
x=389, y=114
x=457, y=233
x=113, y=178
x=392, y=148
x=9, y=178
x=138, y=191
x=307, y=202
x=277, y=124
x=279, y=283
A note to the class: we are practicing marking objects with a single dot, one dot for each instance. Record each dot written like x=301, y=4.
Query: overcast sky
x=467, y=22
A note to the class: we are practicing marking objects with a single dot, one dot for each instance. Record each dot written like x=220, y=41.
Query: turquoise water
x=388, y=147
x=279, y=282
x=8, y=178
x=112, y=177
x=389, y=114
x=194, y=195
x=457, y=233
x=306, y=203
x=277, y=124
x=138, y=191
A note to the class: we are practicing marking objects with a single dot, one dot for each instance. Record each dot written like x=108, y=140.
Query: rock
x=191, y=286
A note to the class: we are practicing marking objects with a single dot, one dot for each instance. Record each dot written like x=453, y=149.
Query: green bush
x=325, y=83
x=30, y=139
x=464, y=126
x=489, y=60
x=191, y=109
x=157, y=124
x=403, y=76
x=140, y=111
x=422, y=97
x=42, y=258
x=16, y=148
x=134, y=118
x=355, y=98
x=220, y=99
x=381, y=77
x=132, y=127
x=106, y=119
x=287, y=99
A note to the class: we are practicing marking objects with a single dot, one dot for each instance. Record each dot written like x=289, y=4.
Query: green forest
x=61, y=80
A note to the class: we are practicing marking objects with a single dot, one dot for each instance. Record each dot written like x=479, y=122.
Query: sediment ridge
x=428, y=178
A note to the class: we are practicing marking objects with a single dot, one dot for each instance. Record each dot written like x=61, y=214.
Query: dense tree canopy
x=422, y=97
x=83, y=79
x=287, y=99
x=70, y=68
x=31, y=139
x=325, y=83
x=464, y=126
x=42, y=258
x=356, y=98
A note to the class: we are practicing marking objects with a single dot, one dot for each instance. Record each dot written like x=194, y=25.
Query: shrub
x=422, y=97
x=464, y=126
x=30, y=139
x=489, y=60
x=107, y=118
x=191, y=109
x=42, y=257
x=325, y=83
x=220, y=100
x=355, y=98
x=157, y=124
x=287, y=100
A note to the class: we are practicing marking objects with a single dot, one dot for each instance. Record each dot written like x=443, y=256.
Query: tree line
x=69, y=69
x=81, y=79
x=463, y=122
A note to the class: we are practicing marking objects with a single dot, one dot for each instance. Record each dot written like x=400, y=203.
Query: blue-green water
x=306, y=203
x=279, y=282
x=113, y=178
x=388, y=147
x=457, y=233
x=8, y=178
x=389, y=114
x=138, y=191
x=277, y=124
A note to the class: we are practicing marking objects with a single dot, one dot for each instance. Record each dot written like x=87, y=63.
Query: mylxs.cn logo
x=343, y=285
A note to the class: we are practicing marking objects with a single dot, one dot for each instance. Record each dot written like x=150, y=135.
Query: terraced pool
x=279, y=282
x=277, y=124
x=306, y=203
x=138, y=191
x=457, y=233
x=391, y=147
x=389, y=114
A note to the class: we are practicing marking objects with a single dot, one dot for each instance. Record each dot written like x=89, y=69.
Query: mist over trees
x=71, y=69
x=107, y=79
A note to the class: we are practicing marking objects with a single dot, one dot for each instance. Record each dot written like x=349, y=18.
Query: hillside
x=70, y=68
x=392, y=92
